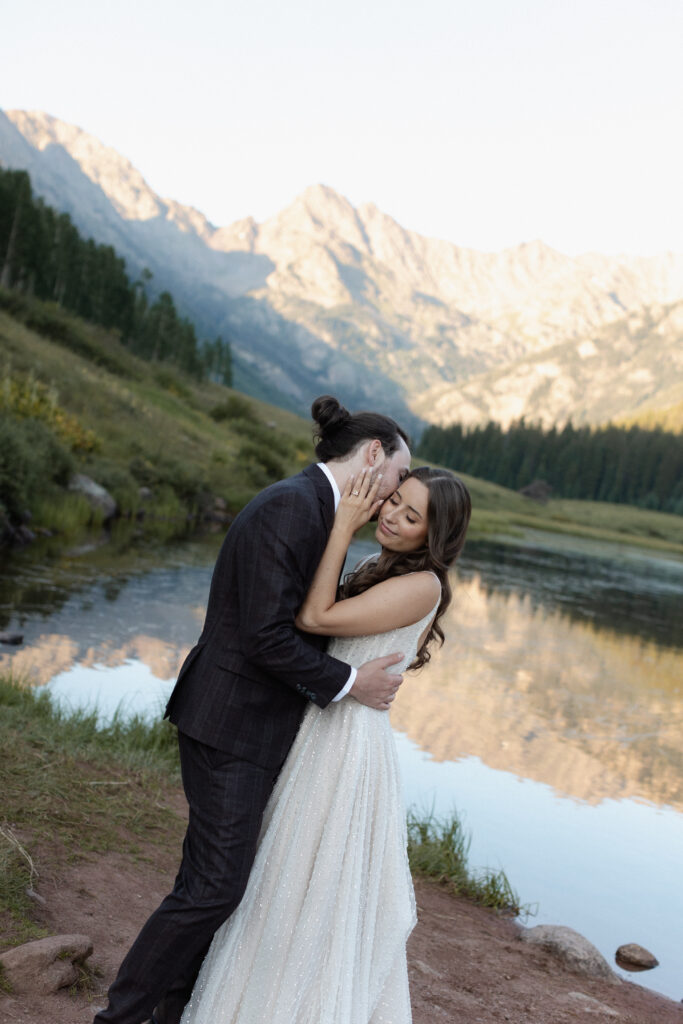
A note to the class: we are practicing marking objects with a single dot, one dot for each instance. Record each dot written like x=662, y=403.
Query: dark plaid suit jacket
x=244, y=687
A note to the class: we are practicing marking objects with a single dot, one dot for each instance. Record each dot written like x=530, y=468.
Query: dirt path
x=467, y=965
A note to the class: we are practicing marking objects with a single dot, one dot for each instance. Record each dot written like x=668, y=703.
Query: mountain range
x=326, y=296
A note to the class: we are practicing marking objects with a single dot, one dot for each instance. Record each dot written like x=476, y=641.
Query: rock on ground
x=632, y=956
x=97, y=496
x=45, y=965
x=575, y=951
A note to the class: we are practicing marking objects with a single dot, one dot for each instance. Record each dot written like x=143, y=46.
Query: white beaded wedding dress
x=320, y=935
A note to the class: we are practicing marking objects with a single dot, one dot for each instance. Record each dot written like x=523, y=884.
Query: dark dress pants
x=227, y=798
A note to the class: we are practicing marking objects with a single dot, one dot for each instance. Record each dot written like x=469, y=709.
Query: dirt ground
x=467, y=965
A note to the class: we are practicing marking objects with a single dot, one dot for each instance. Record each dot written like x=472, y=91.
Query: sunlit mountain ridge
x=328, y=296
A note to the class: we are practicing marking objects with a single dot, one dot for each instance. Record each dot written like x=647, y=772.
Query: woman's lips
x=385, y=529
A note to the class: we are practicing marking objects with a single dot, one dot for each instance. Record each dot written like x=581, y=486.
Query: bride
x=320, y=935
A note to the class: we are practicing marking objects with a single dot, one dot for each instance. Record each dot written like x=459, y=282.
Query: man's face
x=394, y=469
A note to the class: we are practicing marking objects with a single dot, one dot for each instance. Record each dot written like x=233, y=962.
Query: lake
x=551, y=720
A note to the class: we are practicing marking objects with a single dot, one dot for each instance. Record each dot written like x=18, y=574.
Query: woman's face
x=402, y=520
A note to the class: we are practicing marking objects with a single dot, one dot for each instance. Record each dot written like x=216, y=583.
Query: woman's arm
x=396, y=602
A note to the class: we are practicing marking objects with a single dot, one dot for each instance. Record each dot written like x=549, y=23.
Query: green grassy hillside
x=131, y=424
x=499, y=511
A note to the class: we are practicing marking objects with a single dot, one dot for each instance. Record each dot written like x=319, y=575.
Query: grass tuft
x=88, y=982
x=5, y=985
x=69, y=789
x=439, y=849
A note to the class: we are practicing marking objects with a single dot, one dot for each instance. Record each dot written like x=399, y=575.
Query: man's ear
x=374, y=453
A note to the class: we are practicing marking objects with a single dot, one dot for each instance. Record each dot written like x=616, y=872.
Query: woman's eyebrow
x=400, y=497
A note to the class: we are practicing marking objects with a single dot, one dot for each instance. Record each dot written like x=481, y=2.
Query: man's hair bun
x=338, y=433
x=328, y=414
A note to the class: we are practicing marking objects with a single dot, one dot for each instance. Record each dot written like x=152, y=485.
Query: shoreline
x=92, y=846
x=466, y=963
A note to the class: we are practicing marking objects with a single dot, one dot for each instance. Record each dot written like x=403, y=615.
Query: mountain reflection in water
x=588, y=711
x=557, y=667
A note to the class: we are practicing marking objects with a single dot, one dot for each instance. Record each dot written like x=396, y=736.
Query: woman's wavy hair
x=339, y=433
x=448, y=514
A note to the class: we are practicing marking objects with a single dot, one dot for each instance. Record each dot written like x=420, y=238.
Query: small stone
x=46, y=965
x=588, y=1004
x=11, y=638
x=425, y=969
x=573, y=949
x=633, y=957
x=145, y=493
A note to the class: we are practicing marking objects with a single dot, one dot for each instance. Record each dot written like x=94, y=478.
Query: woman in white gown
x=320, y=934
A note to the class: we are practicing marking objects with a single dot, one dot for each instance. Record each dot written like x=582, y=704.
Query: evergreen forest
x=43, y=255
x=631, y=466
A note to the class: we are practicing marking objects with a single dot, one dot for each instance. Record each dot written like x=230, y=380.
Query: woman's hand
x=358, y=502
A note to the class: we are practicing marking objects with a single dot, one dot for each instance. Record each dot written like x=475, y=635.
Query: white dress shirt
x=337, y=498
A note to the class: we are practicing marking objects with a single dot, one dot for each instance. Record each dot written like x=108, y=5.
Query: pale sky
x=485, y=122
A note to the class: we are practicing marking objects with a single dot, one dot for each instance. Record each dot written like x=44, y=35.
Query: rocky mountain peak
x=123, y=185
x=319, y=215
x=324, y=295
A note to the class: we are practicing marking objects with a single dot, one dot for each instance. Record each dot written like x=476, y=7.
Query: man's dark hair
x=339, y=432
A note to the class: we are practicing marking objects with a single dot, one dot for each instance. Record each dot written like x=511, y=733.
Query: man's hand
x=374, y=686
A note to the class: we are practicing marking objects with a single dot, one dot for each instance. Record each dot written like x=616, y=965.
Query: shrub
x=172, y=383
x=32, y=461
x=233, y=408
x=263, y=465
x=25, y=397
x=186, y=482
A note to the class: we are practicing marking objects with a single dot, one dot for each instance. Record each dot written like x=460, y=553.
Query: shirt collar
x=333, y=484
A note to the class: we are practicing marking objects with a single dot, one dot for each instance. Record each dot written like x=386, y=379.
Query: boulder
x=633, y=957
x=46, y=965
x=99, y=498
x=576, y=952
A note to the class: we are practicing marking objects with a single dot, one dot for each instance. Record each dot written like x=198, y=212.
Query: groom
x=239, y=699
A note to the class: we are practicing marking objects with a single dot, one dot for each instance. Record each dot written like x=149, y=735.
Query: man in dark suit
x=239, y=699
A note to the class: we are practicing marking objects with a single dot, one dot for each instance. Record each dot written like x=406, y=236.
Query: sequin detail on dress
x=320, y=935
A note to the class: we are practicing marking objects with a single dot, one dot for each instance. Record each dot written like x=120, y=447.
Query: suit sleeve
x=278, y=557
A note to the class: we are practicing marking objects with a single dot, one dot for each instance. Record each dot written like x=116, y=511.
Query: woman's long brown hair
x=448, y=514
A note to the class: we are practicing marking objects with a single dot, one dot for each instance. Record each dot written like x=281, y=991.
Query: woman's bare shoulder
x=423, y=587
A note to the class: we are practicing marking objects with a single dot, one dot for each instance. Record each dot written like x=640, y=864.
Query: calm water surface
x=551, y=720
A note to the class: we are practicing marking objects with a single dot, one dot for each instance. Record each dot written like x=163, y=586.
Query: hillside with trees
x=43, y=255
x=632, y=466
